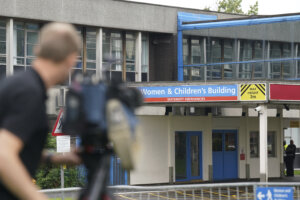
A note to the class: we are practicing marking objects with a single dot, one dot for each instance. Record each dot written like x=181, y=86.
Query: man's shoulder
x=20, y=88
x=20, y=82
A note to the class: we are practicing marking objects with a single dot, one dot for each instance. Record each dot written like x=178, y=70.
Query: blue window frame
x=265, y=66
x=188, y=155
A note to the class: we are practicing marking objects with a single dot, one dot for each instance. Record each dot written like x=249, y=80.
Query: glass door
x=188, y=156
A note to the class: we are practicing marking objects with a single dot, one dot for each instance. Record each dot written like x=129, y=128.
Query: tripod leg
x=97, y=187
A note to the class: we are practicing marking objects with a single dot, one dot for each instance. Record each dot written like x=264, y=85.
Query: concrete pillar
x=281, y=132
x=99, y=53
x=263, y=142
x=138, y=57
x=170, y=150
x=10, y=47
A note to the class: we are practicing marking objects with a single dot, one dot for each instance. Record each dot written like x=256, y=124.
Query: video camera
x=102, y=115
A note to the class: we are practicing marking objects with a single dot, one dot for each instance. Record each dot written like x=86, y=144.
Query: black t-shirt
x=23, y=112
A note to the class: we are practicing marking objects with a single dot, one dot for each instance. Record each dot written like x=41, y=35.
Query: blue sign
x=274, y=193
x=190, y=93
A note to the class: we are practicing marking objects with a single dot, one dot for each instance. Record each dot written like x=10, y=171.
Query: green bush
x=48, y=176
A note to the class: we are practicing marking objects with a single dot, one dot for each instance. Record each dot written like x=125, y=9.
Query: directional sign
x=57, y=129
x=274, y=193
x=253, y=92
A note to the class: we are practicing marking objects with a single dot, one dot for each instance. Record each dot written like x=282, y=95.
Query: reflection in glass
x=2, y=71
x=145, y=57
x=194, y=139
x=271, y=144
x=180, y=155
x=230, y=142
x=2, y=47
x=250, y=50
x=254, y=144
x=112, y=51
x=217, y=142
x=26, y=38
x=130, y=53
x=2, y=34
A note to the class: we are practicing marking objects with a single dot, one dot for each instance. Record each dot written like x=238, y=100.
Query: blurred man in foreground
x=23, y=120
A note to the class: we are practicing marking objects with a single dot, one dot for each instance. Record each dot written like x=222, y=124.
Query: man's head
x=291, y=141
x=284, y=142
x=60, y=45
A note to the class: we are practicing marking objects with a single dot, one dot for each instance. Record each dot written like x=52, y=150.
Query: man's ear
x=71, y=60
x=36, y=50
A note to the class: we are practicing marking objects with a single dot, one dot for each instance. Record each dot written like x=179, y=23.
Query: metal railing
x=217, y=191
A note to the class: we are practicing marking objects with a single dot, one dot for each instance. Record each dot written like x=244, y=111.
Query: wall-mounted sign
x=294, y=124
x=253, y=92
x=284, y=92
x=193, y=93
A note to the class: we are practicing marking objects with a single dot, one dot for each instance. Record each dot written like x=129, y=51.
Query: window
x=2, y=49
x=271, y=144
x=145, y=57
x=26, y=38
x=280, y=69
x=112, y=54
x=193, y=53
x=214, y=55
x=130, y=57
x=90, y=51
x=219, y=50
x=228, y=57
x=254, y=144
x=298, y=61
x=78, y=68
x=250, y=50
x=114, y=45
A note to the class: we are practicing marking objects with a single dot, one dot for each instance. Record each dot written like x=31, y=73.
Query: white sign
x=63, y=144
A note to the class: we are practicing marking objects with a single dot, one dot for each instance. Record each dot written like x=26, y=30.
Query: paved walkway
x=286, y=179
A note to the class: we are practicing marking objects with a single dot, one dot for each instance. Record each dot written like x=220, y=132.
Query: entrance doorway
x=188, y=156
x=225, y=154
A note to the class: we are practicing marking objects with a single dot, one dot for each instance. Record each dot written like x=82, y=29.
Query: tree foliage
x=235, y=6
x=48, y=176
x=253, y=9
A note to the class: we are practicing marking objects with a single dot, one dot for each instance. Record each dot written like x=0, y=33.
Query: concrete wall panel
x=102, y=13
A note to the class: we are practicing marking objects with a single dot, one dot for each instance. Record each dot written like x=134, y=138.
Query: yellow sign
x=294, y=124
x=253, y=92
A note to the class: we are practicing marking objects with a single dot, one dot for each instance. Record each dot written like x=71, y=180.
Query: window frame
x=274, y=144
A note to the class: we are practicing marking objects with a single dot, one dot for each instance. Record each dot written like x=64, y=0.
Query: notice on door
x=253, y=92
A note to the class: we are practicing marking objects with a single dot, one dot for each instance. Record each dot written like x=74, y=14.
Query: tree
x=206, y=8
x=230, y=6
x=235, y=6
x=253, y=9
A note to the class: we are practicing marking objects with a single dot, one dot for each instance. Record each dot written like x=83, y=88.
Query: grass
x=296, y=172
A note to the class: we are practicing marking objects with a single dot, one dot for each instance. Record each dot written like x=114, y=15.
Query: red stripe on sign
x=190, y=99
x=285, y=92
